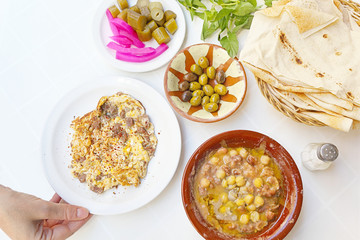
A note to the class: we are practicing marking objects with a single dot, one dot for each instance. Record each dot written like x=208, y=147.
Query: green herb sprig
x=227, y=16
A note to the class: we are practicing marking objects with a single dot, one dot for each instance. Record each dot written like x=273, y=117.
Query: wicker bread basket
x=294, y=112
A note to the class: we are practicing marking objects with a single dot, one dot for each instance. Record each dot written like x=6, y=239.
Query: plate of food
x=106, y=145
x=139, y=36
x=242, y=185
x=204, y=84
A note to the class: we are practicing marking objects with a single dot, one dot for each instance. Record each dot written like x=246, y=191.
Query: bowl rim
x=196, y=119
x=282, y=225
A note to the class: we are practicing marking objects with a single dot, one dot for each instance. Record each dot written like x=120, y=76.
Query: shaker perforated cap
x=327, y=152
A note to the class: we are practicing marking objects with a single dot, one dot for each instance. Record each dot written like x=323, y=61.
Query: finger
x=58, y=211
x=56, y=198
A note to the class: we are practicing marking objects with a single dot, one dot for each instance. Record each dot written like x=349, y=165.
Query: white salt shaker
x=319, y=156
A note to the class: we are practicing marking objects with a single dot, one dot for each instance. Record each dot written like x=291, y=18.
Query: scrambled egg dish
x=113, y=144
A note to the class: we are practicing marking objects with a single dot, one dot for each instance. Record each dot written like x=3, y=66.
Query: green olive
x=211, y=107
x=210, y=72
x=196, y=69
x=195, y=101
x=205, y=100
x=215, y=98
x=220, y=89
x=208, y=90
x=203, y=62
x=198, y=93
x=195, y=86
x=203, y=79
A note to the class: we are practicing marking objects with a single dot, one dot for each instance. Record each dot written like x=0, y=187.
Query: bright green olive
x=195, y=86
x=211, y=107
x=208, y=90
x=210, y=72
x=215, y=98
x=205, y=100
x=203, y=62
x=196, y=69
x=203, y=79
x=198, y=93
x=195, y=101
x=220, y=89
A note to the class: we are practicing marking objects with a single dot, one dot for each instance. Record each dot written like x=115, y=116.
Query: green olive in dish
x=203, y=62
x=211, y=107
x=210, y=72
x=220, y=89
x=196, y=69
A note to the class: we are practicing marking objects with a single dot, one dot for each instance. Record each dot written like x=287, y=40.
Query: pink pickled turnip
x=135, y=40
x=123, y=26
x=133, y=51
x=122, y=40
x=128, y=57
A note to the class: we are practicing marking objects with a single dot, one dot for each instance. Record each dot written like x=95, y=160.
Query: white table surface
x=46, y=49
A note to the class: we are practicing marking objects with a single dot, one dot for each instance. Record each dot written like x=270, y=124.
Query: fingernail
x=82, y=213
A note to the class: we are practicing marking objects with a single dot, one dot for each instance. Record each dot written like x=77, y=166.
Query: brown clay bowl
x=218, y=57
x=293, y=188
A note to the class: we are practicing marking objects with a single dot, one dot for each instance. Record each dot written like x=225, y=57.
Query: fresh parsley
x=227, y=17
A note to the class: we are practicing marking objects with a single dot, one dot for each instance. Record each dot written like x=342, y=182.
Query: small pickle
x=195, y=101
x=186, y=96
x=205, y=100
x=215, y=98
x=220, y=89
x=153, y=5
x=157, y=14
x=203, y=79
x=114, y=11
x=161, y=36
x=142, y=3
x=183, y=86
x=196, y=69
x=123, y=14
x=123, y=4
x=198, y=93
x=146, y=12
x=144, y=35
x=135, y=20
x=190, y=77
x=161, y=22
x=171, y=26
x=135, y=9
x=203, y=62
x=195, y=86
x=220, y=76
x=210, y=72
x=152, y=25
x=211, y=107
x=169, y=15
x=208, y=90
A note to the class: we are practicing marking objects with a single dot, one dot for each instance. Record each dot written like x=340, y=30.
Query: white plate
x=102, y=32
x=57, y=136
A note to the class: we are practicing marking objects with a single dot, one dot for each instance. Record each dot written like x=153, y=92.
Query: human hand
x=24, y=216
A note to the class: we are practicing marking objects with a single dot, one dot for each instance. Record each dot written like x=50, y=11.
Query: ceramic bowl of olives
x=204, y=84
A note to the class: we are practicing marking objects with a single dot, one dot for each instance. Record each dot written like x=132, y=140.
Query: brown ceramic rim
x=293, y=187
x=196, y=119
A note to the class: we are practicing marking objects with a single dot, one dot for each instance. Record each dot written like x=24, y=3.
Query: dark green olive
x=203, y=79
x=195, y=86
x=195, y=101
x=211, y=107
x=220, y=89
x=190, y=77
x=198, y=93
x=208, y=90
x=215, y=98
x=183, y=86
x=220, y=76
x=186, y=96
x=205, y=100
x=196, y=69
x=210, y=72
x=203, y=62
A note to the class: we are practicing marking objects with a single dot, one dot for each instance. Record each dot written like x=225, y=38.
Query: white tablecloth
x=46, y=49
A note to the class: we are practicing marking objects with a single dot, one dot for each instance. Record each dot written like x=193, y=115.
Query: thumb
x=61, y=211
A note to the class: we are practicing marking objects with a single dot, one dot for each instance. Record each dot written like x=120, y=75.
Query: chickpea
x=233, y=152
x=251, y=207
x=222, y=151
x=220, y=174
x=243, y=190
x=244, y=219
x=254, y=216
x=224, y=183
x=196, y=69
x=226, y=158
x=243, y=152
x=204, y=182
x=240, y=202
x=258, y=182
x=210, y=72
x=203, y=62
x=265, y=159
x=259, y=201
x=224, y=197
x=249, y=198
x=240, y=181
x=214, y=160
x=231, y=180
